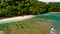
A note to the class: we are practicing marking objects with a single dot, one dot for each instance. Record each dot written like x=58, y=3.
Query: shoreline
x=17, y=18
x=53, y=12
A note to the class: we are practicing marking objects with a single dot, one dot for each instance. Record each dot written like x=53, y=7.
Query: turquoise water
x=55, y=17
x=55, y=20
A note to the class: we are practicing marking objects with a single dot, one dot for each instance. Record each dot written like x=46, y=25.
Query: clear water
x=56, y=18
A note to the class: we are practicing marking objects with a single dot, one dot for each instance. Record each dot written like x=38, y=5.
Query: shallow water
x=43, y=22
x=56, y=18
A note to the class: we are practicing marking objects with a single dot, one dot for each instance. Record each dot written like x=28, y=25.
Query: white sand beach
x=17, y=18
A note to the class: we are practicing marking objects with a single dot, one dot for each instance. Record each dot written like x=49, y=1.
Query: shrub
x=25, y=7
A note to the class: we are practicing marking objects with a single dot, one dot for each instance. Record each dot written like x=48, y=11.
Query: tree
x=37, y=7
x=54, y=7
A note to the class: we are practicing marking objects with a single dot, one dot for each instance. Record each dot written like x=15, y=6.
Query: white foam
x=52, y=31
x=1, y=32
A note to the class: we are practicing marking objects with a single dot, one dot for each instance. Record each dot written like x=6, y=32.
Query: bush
x=37, y=7
x=25, y=7
x=54, y=7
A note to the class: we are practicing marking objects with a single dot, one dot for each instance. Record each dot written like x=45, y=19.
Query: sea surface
x=55, y=18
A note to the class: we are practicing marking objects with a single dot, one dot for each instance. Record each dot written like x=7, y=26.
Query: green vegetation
x=26, y=7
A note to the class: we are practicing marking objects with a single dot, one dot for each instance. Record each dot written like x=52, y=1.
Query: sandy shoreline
x=17, y=18
x=54, y=12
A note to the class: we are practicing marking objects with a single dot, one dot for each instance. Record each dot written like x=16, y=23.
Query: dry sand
x=17, y=18
x=54, y=12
